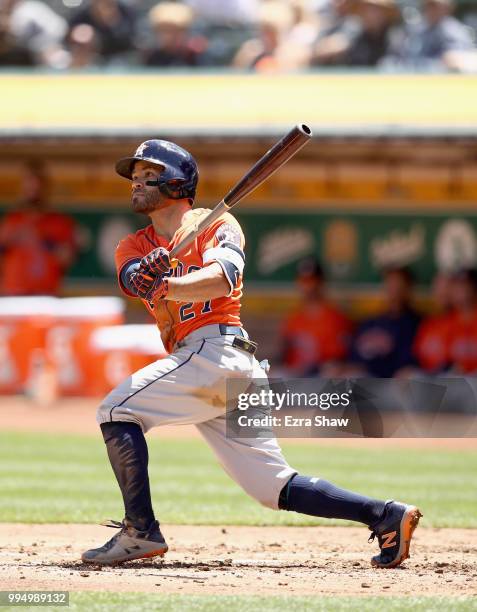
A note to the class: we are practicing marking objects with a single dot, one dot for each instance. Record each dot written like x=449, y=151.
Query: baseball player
x=197, y=308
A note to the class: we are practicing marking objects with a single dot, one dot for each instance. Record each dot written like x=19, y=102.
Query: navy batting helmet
x=179, y=175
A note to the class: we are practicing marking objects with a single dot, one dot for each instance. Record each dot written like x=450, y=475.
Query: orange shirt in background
x=29, y=263
x=176, y=320
x=315, y=335
x=431, y=346
x=463, y=342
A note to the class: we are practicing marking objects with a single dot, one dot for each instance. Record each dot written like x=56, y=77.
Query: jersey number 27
x=185, y=311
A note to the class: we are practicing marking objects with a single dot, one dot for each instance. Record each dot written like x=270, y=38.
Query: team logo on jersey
x=228, y=233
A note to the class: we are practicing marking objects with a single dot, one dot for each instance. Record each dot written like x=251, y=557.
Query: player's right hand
x=156, y=262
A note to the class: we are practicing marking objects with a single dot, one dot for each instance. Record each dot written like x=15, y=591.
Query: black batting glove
x=156, y=262
x=142, y=284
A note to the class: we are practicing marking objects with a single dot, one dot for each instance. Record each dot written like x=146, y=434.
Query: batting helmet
x=179, y=175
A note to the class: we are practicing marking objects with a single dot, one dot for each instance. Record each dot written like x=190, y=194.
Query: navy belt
x=240, y=341
x=230, y=330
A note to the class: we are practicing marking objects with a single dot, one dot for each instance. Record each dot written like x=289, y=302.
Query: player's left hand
x=142, y=284
x=149, y=287
x=156, y=262
x=160, y=289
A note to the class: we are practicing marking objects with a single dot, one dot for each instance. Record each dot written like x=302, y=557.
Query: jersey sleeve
x=230, y=231
x=127, y=252
x=223, y=242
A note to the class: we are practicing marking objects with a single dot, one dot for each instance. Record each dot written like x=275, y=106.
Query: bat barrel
x=280, y=153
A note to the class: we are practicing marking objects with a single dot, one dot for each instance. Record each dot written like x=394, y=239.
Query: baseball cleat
x=394, y=533
x=128, y=544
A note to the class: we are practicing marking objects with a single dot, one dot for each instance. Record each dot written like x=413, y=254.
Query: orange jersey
x=314, y=336
x=431, y=345
x=29, y=241
x=463, y=342
x=176, y=320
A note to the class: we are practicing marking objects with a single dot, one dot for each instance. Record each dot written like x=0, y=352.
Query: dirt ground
x=241, y=560
x=231, y=560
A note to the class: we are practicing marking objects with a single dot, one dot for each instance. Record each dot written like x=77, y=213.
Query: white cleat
x=128, y=544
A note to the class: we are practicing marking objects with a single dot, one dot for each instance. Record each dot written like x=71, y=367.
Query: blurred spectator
x=37, y=246
x=276, y=48
x=463, y=325
x=383, y=344
x=225, y=26
x=377, y=17
x=11, y=52
x=174, y=45
x=113, y=23
x=349, y=45
x=83, y=47
x=305, y=24
x=339, y=28
x=316, y=335
x=437, y=40
x=226, y=12
x=34, y=25
x=431, y=346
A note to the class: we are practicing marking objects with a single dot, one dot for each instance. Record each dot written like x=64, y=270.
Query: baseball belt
x=240, y=341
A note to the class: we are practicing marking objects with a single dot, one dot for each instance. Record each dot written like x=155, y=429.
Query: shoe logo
x=388, y=539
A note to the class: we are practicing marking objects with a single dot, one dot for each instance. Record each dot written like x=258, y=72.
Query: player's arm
x=205, y=284
x=223, y=259
x=199, y=286
x=128, y=261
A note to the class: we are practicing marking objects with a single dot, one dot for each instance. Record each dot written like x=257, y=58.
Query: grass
x=129, y=602
x=50, y=478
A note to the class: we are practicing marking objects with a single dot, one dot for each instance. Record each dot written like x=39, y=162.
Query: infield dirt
x=241, y=560
x=232, y=559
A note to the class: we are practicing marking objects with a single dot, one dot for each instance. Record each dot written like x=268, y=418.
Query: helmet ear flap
x=174, y=188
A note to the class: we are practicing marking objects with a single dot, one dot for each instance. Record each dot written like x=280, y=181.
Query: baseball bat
x=273, y=159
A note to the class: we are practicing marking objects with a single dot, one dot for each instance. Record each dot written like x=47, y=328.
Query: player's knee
x=267, y=490
x=268, y=499
x=269, y=503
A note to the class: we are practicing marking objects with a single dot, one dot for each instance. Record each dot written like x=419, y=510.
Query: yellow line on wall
x=156, y=101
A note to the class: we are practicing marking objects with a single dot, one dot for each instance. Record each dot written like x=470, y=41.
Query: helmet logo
x=140, y=149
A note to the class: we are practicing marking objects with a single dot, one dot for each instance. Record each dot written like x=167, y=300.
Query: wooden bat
x=273, y=159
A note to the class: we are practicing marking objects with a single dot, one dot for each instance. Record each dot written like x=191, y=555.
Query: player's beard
x=146, y=201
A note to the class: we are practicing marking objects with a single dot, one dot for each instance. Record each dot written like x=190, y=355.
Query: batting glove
x=149, y=288
x=142, y=284
x=160, y=289
x=156, y=262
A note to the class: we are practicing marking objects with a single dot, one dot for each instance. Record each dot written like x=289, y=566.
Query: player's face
x=145, y=198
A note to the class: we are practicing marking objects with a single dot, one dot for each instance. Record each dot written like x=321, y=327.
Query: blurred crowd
x=318, y=339
x=254, y=35
x=37, y=244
